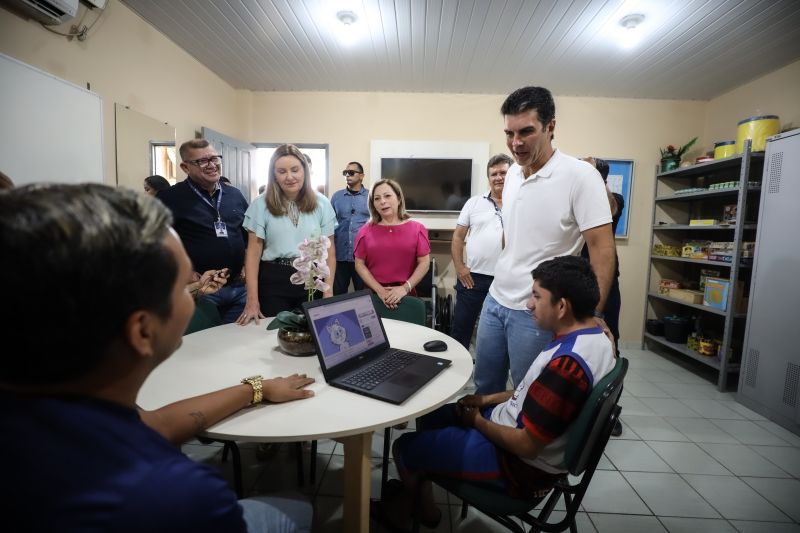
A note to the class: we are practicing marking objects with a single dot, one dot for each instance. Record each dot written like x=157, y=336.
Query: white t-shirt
x=543, y=217
x=593, y=351
x=485, y=238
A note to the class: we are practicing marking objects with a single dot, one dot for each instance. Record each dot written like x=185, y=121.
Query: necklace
x=293, y=212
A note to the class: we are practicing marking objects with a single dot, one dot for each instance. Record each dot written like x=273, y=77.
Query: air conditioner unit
x=45, y=11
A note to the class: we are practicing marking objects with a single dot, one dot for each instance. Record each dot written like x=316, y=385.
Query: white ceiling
x=690, y=49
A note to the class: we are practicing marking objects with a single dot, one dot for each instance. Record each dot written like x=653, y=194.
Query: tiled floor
x=690, y=459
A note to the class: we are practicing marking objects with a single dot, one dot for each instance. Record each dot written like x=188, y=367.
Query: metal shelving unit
x=672, y=211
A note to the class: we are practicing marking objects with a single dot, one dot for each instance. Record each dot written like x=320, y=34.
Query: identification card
x=221, y=229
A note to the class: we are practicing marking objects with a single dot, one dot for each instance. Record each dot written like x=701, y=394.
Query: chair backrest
x=587, y=432
x=206, y=315
x=411, y=309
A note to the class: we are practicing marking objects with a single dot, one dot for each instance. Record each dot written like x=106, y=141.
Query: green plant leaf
x=288, y=319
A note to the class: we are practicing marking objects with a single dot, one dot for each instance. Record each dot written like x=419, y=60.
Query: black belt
x=285, y=261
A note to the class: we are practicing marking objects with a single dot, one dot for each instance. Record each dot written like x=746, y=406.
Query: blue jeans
x=281, y=513
x=468, y=307
x=346, y=271
x=230, y=300
x=507, y=338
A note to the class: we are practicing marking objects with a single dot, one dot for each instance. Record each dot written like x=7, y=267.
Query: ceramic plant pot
x=670, y=164
x=296, y=342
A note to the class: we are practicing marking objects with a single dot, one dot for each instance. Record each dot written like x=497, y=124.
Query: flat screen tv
x=431, y=184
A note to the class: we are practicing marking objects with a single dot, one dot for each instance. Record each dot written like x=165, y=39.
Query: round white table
x=219, y=357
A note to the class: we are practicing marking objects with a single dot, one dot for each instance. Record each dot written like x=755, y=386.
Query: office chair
x=586, y=442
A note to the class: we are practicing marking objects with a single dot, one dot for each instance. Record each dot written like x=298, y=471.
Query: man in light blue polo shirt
x=352, y=212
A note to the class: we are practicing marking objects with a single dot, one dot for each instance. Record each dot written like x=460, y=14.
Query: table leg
x=357, y=464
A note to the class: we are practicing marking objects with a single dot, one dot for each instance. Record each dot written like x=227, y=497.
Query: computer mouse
x=435, y=346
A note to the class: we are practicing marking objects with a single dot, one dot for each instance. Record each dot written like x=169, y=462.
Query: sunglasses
x=349, y=172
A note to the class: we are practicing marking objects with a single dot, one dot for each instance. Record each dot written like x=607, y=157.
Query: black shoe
x=617, y=431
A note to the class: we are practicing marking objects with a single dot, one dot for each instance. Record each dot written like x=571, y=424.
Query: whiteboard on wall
x=51, y=130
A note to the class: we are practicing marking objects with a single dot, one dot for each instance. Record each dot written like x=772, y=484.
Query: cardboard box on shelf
x=665, y=285
x=686, y=295
x=729, y=214
x=703, y=222
x=695, y=249
x=706, y=273
x=716, y=294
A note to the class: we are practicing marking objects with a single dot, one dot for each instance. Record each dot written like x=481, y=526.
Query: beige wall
x=127, y=61
x=134, y=132
x=773, y=94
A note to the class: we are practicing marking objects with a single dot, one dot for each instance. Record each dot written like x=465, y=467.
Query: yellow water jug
x=723, y=149
x=757, y=129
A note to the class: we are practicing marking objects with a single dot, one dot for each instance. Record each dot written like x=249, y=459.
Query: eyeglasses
x=349, y=172
x=206, y=161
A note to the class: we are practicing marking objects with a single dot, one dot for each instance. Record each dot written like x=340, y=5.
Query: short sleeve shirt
x=390, y=252
x=352, y=212
x=280, y=236
x=485, y=237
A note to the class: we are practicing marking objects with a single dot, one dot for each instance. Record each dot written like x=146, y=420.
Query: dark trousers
x=275, y=292
x=611, y=310
x=468, y=307
x=346, y=271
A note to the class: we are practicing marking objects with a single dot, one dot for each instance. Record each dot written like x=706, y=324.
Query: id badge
x=221, y=229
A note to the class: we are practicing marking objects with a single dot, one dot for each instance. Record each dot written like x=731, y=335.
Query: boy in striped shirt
x=513, y=441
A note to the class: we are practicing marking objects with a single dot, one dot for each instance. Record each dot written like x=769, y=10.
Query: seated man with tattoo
x=79, y=454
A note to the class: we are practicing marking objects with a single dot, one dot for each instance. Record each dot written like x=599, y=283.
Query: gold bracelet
x=256, y=383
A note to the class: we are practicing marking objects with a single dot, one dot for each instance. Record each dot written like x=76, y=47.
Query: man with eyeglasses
x=208, y=216
x=479, y=237
x=352, y=212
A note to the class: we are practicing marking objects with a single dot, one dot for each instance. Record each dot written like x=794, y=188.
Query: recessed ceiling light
x=346, y=17
x=630, y=22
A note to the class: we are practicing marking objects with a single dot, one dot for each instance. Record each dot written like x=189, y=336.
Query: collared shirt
x=484, y=242
x=352, y=212
x=194, y=222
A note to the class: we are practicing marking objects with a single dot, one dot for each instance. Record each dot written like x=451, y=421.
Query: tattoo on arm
x=199, y=419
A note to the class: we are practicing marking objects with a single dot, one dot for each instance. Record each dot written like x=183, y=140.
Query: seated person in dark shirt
x=78, y=454
x=513, y=441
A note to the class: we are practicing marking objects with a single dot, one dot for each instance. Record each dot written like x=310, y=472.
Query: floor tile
x=746, y=412
x=623, y=523
x=684, y=390
x=669, y=407
x=700, y=430
x=713, y=409
x=787, y=458
x=609, y=492
x=634, y=406
x=654, y=428
x=695, y=525
x=780, y=431
x=635, y=456
x=660, y=376
x=688, y=458
x=605, y=464
x=743, y=461
x=764, y=527
x=644, y=389
x=783, y=493
x=475, y=522
x=669, y=495
x=734, y=499
x=748, y=432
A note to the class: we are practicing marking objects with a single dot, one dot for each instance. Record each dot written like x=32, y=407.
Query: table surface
x=219, y=357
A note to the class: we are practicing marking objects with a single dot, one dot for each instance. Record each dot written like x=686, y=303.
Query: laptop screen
x=346, y=328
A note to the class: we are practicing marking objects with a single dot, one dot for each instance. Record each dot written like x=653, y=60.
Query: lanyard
x=202, y=197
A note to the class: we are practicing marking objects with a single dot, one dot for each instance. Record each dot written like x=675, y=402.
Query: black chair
x=586, y=442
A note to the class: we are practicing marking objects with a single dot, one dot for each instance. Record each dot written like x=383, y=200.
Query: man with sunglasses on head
x=352, y=212
x=208, y=216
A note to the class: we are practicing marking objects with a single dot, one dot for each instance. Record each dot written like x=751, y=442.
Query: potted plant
x=671, y=157
x=294, y=337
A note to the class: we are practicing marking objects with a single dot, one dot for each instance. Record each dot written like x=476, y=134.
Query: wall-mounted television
x=431, y=184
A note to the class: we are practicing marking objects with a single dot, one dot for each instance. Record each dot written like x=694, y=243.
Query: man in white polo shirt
x=552, y=204
x=480, y=224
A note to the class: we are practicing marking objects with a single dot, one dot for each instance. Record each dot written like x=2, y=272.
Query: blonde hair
x=276, y=200
x=401, y=205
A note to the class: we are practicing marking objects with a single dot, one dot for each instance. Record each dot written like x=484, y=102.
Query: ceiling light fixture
x=630, y=33
x=346, y=17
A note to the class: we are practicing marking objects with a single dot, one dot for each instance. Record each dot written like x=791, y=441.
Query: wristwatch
x=255, y=382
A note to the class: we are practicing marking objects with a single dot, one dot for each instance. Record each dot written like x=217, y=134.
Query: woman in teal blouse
x=277, y=221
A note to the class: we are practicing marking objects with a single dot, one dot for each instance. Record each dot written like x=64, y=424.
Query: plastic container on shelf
x=723, y=149
x=676, y=329
x=654, y=326
x=757, y=129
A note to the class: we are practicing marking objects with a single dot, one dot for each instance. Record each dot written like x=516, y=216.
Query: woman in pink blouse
x=392, y=252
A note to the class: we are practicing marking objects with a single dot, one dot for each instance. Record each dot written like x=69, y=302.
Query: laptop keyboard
x=381, y=370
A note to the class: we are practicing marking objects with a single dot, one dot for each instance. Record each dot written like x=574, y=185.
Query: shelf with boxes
x=702, y=244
